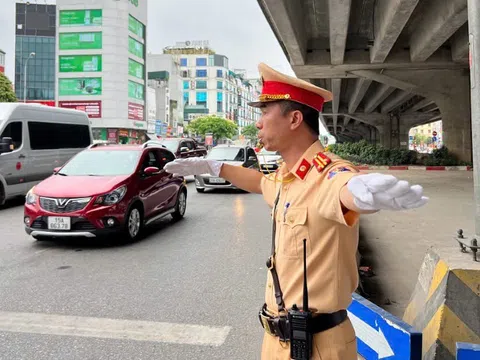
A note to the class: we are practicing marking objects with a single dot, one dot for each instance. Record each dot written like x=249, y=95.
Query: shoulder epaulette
x=320, y=161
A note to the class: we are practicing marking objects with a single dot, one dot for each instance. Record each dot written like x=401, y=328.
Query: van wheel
x=181, y=206
x=133, y=223
x=2, y=195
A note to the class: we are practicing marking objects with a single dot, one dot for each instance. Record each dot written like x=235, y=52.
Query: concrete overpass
x=391, y=64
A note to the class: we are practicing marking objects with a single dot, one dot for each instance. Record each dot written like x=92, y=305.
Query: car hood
x=78, y=186
x=268, y=159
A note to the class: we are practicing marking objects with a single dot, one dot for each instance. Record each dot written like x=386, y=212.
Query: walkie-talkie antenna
x=305, y=289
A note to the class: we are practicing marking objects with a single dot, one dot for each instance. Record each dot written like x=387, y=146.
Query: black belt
x=279, y=325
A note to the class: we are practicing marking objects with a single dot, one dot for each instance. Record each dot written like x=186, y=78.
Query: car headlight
x=112, y=197
x=31, y=197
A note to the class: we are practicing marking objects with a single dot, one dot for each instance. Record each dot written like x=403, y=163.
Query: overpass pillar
x=393, y=134
x=456, y=120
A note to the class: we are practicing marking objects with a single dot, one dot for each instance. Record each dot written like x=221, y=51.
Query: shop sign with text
x=81, y=17
x=92, y=108
x=135, y=111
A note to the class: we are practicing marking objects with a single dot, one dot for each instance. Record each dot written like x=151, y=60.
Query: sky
x=234, y=28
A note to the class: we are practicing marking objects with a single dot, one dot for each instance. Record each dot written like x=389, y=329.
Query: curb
x=420, y=168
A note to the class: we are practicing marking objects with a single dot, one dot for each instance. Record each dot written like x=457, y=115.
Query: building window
x=201, y=96
x=211, y=60
x=201, y=62
x=220, y=85
x=183, y=62
x=201, y=84
x=219, y=73
x=201, y=73
x=219, y=106
x=185, y=98
x=219, y=96
x=186, y=84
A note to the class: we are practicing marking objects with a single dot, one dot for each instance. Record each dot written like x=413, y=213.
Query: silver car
x=269, y=160
x=235, y=155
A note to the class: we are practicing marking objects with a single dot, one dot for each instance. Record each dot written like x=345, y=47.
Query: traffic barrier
x=445, y=304
x=467, y=351
x=381, y=335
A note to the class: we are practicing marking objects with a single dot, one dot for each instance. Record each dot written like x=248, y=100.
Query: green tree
x=6, y=90
x=250, y=132
x=219, y=127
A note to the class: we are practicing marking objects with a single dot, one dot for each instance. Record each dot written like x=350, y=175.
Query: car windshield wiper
x=61, y=174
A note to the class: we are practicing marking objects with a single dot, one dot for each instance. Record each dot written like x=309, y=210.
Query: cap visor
x=256, y=104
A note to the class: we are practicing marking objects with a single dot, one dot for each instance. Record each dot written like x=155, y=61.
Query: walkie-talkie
x=299, y=321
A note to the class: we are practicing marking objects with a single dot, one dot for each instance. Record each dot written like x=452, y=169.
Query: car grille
x=61, y=206
x=83, y=226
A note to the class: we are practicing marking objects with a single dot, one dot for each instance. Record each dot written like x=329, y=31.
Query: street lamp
x=32, y=54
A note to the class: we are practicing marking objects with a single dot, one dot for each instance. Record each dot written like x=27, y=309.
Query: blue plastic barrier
x=466, y=351
x=380, y=335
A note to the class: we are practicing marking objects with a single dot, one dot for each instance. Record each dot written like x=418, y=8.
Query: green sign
x=136, y=27
x=134, y=2
x=80, y=17
x=135, y=69
x=80, y=86
x=135, y=90
x=80, y=41
x=135, y=47
x=80, y=63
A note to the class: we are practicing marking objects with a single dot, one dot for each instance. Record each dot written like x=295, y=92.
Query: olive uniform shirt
x=309, y=208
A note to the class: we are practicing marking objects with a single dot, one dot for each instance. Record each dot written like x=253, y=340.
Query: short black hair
x=310, y=115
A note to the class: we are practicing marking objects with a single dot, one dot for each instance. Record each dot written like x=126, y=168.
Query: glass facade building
x=35, y=33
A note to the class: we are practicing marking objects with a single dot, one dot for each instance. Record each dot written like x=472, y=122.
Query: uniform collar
x=304, y=164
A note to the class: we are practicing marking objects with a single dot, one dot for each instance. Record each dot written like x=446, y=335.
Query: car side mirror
x=6, y=145
x=56, y=170
x=151, y=170
x=183, y=149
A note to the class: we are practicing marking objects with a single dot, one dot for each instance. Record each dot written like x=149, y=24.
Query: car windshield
x=227, y=154
x=171, y=145
x=102, y=163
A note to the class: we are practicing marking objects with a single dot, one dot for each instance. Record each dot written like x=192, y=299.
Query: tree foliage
x=6, y=90
x=219, y=127
x=250, y=132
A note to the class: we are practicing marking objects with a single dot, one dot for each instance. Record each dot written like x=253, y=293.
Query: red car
x=106, y=189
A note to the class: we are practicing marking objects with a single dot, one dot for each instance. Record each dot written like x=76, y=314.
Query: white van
x=35, y=139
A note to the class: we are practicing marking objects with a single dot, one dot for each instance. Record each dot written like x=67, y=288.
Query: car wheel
x=134, y=223
x=181, y=206
x=200, y=190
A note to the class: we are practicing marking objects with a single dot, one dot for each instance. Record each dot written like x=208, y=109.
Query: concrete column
x=456, y=120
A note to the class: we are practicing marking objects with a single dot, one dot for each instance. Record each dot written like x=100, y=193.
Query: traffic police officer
x=314, y=196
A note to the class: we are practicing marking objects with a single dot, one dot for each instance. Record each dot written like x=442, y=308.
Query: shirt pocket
x=295, y=229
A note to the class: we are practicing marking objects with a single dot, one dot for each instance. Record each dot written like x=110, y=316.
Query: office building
x=2, y=61
x=35, y=52
x=100, y=65
x=210, y=87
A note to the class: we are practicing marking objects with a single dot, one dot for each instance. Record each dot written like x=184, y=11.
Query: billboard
x=135, y=69
x=135, y=111
x=79, y=86
x=135, y=90
x=80, y=17
x=136, y=27
x=80, y=63
x=135, y=47
x=80, y=41
x=92, y=108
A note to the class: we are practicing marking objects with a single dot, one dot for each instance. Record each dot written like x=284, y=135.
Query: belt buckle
x=266, y=326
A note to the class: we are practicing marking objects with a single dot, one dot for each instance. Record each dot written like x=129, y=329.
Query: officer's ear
x=296, y=119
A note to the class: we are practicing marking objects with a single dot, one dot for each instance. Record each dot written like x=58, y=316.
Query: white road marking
x=113, y=328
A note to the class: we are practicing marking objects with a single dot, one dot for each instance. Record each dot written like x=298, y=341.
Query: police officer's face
x=274, y=127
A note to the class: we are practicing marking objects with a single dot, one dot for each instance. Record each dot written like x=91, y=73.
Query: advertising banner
x=135, y=69
x=80, y=86
x=92, y=108
x=80, y=41
x=135, y=90
x=135, y=111
x=136, y=27
x=80, y=63
x=135, y=47
x=80, y=17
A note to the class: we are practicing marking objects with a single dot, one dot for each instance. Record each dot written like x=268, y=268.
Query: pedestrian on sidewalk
x=317, y=197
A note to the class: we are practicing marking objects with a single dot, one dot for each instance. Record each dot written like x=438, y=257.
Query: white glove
x=385, y=192
x=193, y=166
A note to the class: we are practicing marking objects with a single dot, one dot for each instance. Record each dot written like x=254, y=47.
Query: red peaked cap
x=278, y=86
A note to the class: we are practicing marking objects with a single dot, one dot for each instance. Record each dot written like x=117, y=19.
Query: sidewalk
x=394, y=243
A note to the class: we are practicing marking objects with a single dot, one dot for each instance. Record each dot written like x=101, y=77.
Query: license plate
x=268, y=166
x=58, y=223
x=217, y=181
